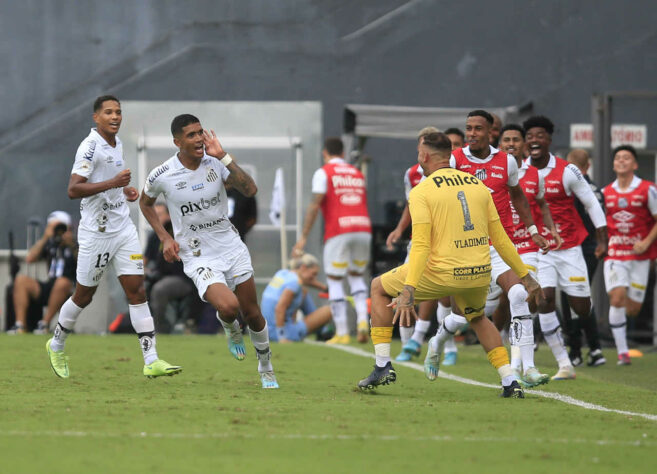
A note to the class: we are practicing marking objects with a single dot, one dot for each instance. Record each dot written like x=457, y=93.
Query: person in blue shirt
x=287, y=293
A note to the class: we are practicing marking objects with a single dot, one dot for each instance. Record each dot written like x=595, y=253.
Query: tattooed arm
x=238, y=178
x=241, y=180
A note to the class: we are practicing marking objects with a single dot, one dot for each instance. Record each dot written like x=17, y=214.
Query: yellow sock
x=381, y=335
x=381, y=338
x=498, y=357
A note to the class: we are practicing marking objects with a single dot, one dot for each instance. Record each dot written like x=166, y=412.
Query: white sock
x=451, y=324
x=359, y=293
x=618, y=324
x=552, y=334
x=441, y=313
x=506, y=374
x=338, y=307
x=68, y=314
x=142, y=322
x=382, y=353
x=260, y=340
x=229, y=327
x=521, y=337
x=516, y=360
x=405, y=333
x=421, y=328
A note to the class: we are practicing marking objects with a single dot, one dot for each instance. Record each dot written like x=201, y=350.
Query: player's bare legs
x=381, y=333
x=359, y=294
x=620, y=307
x=413, y=346
x=248, y=301
x=338, y=305
x=521, y=330
x=491, y=342
x=551, y=328
x=61, y=290
x=317, y=319
x=228, y=305
x=25, y=290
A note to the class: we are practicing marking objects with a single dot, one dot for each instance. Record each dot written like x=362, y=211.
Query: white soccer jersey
x=98, y=161
x=197, y=204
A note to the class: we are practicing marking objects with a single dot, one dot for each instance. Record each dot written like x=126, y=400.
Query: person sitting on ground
x=287, y=293
x=166, y=281
x=58, y=247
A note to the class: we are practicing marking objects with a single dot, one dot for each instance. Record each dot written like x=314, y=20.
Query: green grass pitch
x=214, y=417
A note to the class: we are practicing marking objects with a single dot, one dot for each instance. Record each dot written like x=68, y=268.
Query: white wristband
x=532, y=230
x=226, y=160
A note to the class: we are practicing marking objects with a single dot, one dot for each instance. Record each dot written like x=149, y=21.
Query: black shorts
x=46, y=289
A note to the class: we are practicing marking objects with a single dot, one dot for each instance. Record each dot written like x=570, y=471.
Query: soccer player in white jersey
x=193, y=182
x=106, y=237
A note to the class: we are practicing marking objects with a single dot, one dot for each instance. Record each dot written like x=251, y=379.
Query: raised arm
x=238, y=178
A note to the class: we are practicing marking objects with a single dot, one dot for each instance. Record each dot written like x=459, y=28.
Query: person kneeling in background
x=286, y=293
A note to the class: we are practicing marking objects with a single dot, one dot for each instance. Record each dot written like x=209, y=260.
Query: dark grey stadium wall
x=57, y=56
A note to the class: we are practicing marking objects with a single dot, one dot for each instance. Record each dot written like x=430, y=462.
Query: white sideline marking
x=330, y=437
x=553, y=395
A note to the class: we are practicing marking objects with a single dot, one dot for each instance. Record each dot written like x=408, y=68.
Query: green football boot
x=58, y=361
x=160, y=368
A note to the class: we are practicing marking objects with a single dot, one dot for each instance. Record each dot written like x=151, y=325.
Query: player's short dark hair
x=539, y=121
x=98, y=103
x=334, y=146
x=482, y=113
x=181, y=121
x=437, y=141
x=455, y=131
x=629, y=148
x=513, y=126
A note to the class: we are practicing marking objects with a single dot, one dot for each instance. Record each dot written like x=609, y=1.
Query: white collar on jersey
x=94, y=130
x=336, y=159
x=636, y=181
x=466, y=152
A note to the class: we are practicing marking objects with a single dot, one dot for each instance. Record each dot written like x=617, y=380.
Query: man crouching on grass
x=453, y=218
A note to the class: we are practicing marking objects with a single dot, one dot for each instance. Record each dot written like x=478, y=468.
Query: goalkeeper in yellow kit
x=453, y=218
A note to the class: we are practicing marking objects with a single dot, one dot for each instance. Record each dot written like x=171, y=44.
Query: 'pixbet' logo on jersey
x=200, y=205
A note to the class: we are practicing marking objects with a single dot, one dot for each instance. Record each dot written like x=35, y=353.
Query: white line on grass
x=553, y=395
x=328, y=437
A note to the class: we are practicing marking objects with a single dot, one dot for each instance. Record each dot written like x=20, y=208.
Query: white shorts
x=530, y=259
x=498, y=266
x=347, y=252
x=98, y=251
x=566, y=269
x=632, y=274
x=229, y=269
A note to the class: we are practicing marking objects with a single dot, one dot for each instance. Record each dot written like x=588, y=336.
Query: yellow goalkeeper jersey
x=453, y=218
